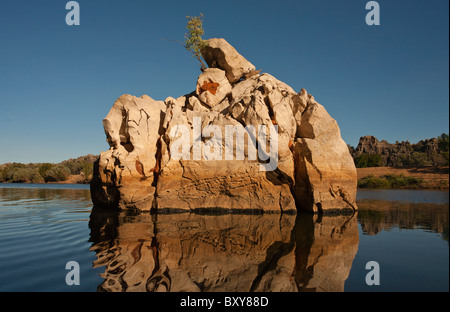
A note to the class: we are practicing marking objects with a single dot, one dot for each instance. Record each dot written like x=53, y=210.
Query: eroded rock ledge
x=314, y=171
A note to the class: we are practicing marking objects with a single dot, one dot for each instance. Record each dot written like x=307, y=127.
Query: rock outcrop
x=241, y=141
x=124, y=176
x=395, y=154
x=218, y=53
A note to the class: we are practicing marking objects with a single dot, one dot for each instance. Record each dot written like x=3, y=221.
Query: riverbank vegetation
x=78, y=170
x=390, y=181
x=406, y=178
x=402, y=165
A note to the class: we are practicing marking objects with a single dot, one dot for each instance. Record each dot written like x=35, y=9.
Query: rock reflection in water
x=326, y=247
x=228, y=253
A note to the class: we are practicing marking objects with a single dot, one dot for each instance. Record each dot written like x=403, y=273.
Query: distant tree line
x=48, y=172
x=389, y=181
x=432, y=152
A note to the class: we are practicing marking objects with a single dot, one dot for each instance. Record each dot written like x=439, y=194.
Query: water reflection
x=326, y=247
x=229, y=253
x=18, y=195
x=376, y=216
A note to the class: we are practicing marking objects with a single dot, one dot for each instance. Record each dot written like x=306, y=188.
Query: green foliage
x=3, y=175
x=8, y=170
x=76, y=166
x=417, y=159
x=57, y=173
x=368, y=160
x=437, y=159
x=402, y=181
x=193, y=41
x=43, y=168
x=443, y=142
x=389, y=181
x=351, y=149
x=445, y=157
x=47, y=172
x=27, y=175
x=373, y=182
x=87, y=171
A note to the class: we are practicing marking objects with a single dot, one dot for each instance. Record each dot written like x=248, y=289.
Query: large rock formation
x=241, y=141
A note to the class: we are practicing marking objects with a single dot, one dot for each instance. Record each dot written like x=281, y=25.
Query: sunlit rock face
x=124, y=176
x=218, y=53
x=303, y=164
x=228, y=253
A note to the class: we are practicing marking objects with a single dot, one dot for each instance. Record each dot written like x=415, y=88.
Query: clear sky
x=57, y=82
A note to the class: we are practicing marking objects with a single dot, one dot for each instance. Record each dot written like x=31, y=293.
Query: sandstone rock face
x=124, y=175
x=250, y=143
x=220, y=54
x=212, y=87
x=325, y=172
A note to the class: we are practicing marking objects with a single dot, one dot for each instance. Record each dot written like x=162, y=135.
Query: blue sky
x=57, y=82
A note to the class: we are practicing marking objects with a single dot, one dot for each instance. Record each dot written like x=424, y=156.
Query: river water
x=44, y=227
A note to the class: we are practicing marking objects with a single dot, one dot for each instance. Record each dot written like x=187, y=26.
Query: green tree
x=57, y=173
x=193, y=41
x=87, y=171
x=443, y=144
x=368, y=160
x=351, y=149
x=36, y=177
x=418, y=159
x=3, y=175
x=27, y=175
x=43, y=168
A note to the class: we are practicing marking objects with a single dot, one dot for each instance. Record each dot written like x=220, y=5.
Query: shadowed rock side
x=228, y=253
x=314, y=170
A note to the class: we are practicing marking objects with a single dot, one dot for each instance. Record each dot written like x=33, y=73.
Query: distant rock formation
x=313, y=168
x=392, y=154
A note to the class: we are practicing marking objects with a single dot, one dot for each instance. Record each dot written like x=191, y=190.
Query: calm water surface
x=42, y=227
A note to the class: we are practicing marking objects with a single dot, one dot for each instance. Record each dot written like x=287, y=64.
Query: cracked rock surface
x=314, y=171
